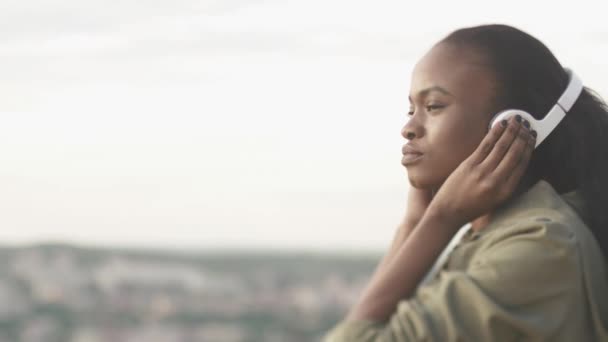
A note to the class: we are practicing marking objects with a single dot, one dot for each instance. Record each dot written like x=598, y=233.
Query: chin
x=419, y=182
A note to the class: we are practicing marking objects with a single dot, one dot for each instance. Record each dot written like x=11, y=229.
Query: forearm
x=401, y=234
x=399, y=276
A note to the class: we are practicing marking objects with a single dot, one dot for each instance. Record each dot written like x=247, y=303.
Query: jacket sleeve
x=519, y=287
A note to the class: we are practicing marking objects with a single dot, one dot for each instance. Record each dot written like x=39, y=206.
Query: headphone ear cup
x=541, y=127
x=495, y=119
x=508, y=113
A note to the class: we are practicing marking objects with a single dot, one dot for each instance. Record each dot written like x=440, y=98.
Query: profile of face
x=452, y=102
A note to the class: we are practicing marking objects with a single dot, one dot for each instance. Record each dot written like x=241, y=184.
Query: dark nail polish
x=518, y=118
x=533, y=133
x=526, y=124
x=504, y=123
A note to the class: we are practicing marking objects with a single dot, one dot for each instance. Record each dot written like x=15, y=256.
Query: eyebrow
x=425, y=92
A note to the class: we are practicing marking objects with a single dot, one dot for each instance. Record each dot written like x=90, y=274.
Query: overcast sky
x=229, y=123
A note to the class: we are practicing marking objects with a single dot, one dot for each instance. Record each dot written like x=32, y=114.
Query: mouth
x=411, y=158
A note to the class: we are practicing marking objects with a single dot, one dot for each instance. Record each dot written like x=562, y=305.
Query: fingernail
x=526, y=124
x=533, y=133
x=518, y=118
x=504, y=123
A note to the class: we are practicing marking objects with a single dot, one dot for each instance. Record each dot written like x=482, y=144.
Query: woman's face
x=451, y=104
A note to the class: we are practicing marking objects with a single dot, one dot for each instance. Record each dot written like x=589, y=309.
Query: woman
x=533, y=265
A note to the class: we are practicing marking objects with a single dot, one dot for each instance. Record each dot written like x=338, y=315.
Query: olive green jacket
x=534, y=273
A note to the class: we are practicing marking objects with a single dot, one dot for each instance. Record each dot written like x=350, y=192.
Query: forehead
x=462, y=72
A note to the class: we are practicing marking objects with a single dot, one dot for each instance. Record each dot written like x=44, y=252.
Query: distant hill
x=65, y=293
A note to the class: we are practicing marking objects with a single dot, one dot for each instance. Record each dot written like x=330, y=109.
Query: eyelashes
x=428, y=108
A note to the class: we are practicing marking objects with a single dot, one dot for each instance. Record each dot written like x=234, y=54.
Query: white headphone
x=546, y=125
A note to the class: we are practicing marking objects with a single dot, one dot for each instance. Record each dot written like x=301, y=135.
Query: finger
x=486, y=145
x=513, y=180
x=514, y=155
x=499, y=150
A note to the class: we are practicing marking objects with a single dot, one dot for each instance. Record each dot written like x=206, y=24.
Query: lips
x=410, y=158
x=410, y=154
x=407, y=149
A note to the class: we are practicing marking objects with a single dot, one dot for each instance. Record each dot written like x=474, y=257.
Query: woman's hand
x=488, y=177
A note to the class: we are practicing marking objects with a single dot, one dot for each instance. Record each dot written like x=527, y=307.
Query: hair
x=529, y=77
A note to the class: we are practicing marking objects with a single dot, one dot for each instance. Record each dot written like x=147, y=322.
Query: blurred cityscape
x=62, y=293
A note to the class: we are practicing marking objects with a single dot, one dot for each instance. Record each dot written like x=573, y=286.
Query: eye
x=432, y=107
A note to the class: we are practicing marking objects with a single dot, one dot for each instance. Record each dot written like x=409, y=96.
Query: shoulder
x=545, y=234
x=537, y=226
x=538, y=222
x=537, y=251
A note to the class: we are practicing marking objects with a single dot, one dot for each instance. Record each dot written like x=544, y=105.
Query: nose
x=411, y=129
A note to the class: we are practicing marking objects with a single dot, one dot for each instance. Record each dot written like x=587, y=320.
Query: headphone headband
x=572, y=92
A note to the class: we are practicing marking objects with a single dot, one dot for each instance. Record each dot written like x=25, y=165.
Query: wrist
x=442, y=216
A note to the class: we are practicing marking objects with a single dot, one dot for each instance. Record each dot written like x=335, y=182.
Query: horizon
x=198, y=250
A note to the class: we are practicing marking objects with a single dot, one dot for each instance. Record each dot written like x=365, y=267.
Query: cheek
x=452, y=143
